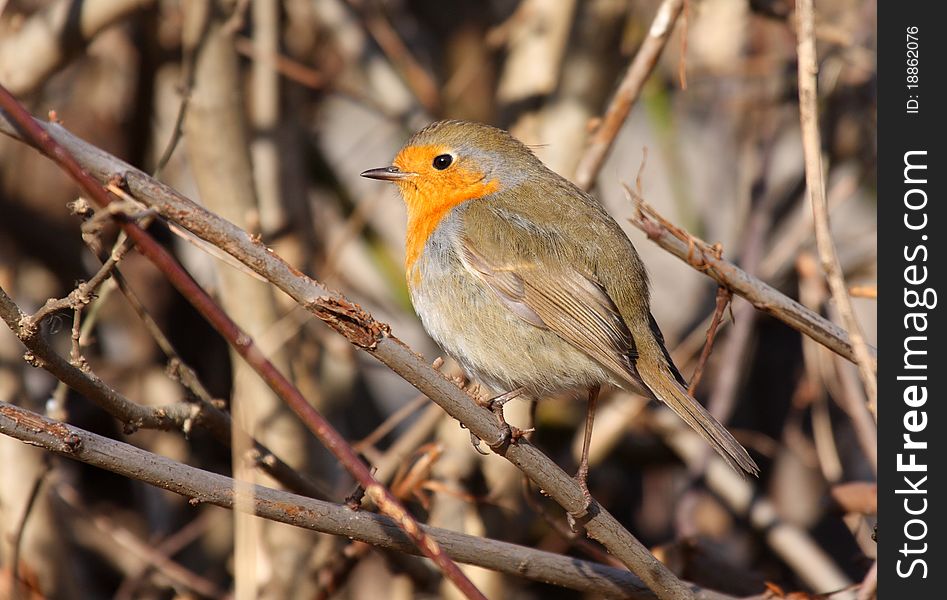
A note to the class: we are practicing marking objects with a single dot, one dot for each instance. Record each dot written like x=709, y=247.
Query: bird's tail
x=658, y=377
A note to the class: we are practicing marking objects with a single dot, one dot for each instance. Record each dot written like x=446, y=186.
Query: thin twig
x=177, y=128
x=600, y=142
x=212, y=488
x=181, y=416
x=815, y=182
x=764, y=297
x=166, y=548
x=82, y=295
x=17, y=542
x=40, y=354
x=125, y=539
x=723, y=300
x=360, y=329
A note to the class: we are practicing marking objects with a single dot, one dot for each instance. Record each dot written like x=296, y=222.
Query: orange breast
x=429, y=198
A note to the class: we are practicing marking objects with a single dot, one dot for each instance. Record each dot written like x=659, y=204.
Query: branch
x=14, y=584
x=700, y=255
x=179, y=416
x=791, y=543
x=815, y=182
x=173, y=416
x=374, y=337
x=205, y=487
x=243, y=345
x=627, y=93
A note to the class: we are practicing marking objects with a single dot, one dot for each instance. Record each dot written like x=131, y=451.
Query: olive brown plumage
x=527, y=281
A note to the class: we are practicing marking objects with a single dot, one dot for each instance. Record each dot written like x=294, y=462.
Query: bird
x=526, y=280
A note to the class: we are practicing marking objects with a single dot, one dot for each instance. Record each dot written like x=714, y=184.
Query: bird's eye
x=442, y=161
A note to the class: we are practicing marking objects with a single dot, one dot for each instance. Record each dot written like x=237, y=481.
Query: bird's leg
x=582, y=475
x=495, y=405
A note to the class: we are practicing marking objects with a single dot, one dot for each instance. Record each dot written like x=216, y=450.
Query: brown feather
x=554, y=258
x=548, y=293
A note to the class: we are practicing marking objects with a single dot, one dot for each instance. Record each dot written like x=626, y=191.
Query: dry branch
x=363, y=331
x=240, y=342
x=763, y=296
x=815, y=182
x=205, y=487
x=181, y=416
x=627, y=93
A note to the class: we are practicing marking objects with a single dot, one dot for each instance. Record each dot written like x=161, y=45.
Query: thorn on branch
x=354, y=500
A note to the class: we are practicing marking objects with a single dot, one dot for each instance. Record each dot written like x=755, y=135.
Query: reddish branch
x=375, y=338
x=723, y=301
x=243, y=344
x=181, y=415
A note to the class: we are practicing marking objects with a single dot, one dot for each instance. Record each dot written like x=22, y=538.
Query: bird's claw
x=509, y=434
x=475, y=442
x=576, y=518
x=582, y=480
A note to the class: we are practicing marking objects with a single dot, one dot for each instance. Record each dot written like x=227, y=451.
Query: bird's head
x=450, y=162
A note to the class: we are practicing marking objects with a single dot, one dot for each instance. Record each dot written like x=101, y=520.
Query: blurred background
x=280, y=105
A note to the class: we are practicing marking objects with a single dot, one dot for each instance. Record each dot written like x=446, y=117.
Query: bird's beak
x=387, y=174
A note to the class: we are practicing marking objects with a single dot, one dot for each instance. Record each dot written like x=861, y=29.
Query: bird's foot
x=583, y=481
x=509, y=434
x=577, y=517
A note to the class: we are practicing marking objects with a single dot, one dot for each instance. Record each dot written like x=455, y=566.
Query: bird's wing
x=550, y=294
x=560, y=299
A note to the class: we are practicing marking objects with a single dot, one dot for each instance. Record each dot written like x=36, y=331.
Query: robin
x=528, y=283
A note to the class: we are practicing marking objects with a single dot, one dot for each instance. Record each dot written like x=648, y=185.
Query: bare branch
x=815, y=182
x=723, y=301
x=627, y=93
x=179, y=416
x=763, y=296
x=244, y=345
x=40, y=354
x=205, y=487
x=359, y=328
